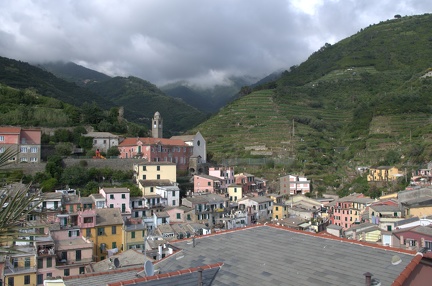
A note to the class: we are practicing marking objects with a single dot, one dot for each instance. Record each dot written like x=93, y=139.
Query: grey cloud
x=201, y=41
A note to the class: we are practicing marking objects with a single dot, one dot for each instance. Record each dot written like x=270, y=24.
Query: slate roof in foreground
x=267, y=255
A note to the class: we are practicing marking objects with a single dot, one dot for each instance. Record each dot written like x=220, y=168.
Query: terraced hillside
x=364, y=101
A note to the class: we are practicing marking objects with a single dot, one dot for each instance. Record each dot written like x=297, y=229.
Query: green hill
x=142, y=99
x=366, y=100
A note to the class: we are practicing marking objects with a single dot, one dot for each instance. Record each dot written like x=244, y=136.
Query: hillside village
x=73, y=236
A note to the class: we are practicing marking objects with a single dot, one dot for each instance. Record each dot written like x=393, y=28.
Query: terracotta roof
x=406, y=273
x=11, y=130
x=151, y=141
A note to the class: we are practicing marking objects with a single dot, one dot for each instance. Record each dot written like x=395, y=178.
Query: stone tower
x=157, y=125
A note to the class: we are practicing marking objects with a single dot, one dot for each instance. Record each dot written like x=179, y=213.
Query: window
x=113, y=230
x=173, y=202
x=33, y=149
x=66, y=272
x=101, y=231
x=144, y=168
x=40, y=263
x=151, y=189
x=277, y=208
x=235, y=190
x=112, y=197
x=23, y=159
x=389, y=228
x=114, y=245
x=11, y=281
x=26, y=279
x=144, y=177
x=2, y=138
x=209, y=183
x=49, y=262
x=428, y=244
x=111, y=206
x=123, y=196
x=23, y=149
x=88, y=232
x=157, y=168
x=158, y=177
x=188, y=217
x=2, y=149
x=82, y=270
x=133, y=234
x=78, y=255
x=178, y=216
x=39, y=279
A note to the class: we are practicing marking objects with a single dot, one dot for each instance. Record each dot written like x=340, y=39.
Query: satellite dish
x=396, y=260
x=116, y=262
x=149, y=268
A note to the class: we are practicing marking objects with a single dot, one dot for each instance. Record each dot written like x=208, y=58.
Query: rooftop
x=115, y=190
x=108, y=217
x=154, y=183
x=266, y=255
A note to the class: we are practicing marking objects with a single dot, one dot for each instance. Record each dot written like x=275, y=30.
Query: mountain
x=210, y=99
x=141, y=99
x=22, y=75
x=363, y=101
x=74, y=73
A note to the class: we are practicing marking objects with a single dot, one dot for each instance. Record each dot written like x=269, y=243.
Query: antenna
x=149, y=268
x=116, y=262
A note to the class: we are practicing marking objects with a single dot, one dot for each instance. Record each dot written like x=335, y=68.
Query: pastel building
x=260, y=207
x=235, y=193
x=224, y=173
x=293, y=185
x=383, y=174
x=107, y=234
x=207, y=184
x=349, y=210
x=157, y=150
x=155, y=171
x=25, y=141
x=117, y=198
x=103, y=140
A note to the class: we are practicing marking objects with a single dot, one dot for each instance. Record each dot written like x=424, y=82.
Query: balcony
x=64, y=263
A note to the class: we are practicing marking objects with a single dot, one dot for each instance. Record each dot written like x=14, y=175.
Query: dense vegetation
x=361, y=102
x=139, y=99
x=143, y=99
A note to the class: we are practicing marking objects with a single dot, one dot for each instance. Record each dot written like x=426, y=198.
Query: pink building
x=207, y=184
x=157, y=150
x=27, y=142
x=247, y=181
x=348, y=210
x=226, y=174
x=117, y=198
x=294, y=185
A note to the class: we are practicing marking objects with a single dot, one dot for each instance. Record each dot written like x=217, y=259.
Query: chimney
x=402, y=242
x=368, y=278
x=160, y=252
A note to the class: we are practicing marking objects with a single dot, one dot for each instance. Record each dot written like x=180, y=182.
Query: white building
x=103, y=140
x=260, y=207
x=198, y=143
x=170, y=195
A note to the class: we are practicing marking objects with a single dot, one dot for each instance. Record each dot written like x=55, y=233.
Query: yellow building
x=383, y=174
x=235, y=193
x=134, y=233
x=20, y=268
x=107, y=235
x=418, y=210
x=279, y=211
x=155, y=171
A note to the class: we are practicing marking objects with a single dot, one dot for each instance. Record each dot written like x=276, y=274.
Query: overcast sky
x=202, y=41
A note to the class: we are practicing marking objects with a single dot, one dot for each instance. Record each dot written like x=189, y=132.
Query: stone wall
x=115, y=164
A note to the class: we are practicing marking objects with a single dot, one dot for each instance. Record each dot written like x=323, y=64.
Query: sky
x=202, y=42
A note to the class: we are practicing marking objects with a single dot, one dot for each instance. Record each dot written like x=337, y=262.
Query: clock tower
x=157, y=124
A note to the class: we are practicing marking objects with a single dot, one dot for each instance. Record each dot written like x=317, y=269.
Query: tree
x=16, y=204
x=113, y=151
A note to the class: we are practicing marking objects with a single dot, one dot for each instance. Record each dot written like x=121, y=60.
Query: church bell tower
x=157, y=124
